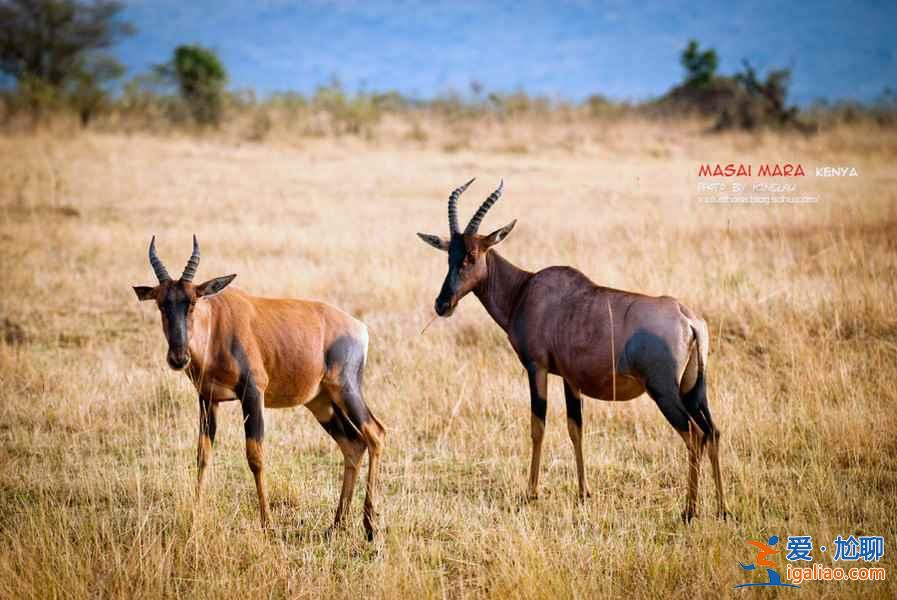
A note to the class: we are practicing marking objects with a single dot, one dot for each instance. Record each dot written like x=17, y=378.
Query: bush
x=356, y=115
x=86, y=93
x=201, y=78
x=760, y=103
x=742, y=101
x=700, y=67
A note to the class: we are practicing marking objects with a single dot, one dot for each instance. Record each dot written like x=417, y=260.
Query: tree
x=761, y=103
x=86, y=92
x=50, y=39
x=53, y=50
x=700, y=67
x=200, y=77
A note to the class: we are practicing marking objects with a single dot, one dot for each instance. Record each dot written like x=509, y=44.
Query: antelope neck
x=500, y=290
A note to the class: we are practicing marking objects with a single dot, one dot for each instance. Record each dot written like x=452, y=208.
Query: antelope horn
x=474, y=224
x=453, y=207
x=193, y=263
x=161, y=273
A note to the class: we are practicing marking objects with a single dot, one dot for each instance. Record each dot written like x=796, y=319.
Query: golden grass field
x=97, y=435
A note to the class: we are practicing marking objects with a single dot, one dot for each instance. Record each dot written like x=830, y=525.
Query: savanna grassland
x=97, y=435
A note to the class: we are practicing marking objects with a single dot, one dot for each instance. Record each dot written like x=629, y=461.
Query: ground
x=97, y=435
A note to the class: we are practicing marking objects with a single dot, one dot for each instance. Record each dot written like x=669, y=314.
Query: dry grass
x=97, y=436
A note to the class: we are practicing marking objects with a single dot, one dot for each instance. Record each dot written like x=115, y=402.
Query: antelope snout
x=177, y=360
x=444, y=308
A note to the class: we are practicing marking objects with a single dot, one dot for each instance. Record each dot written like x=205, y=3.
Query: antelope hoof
x=369, y=529
x=370, y=532
x=585, y=495
x=687, y=515
x=723, y=515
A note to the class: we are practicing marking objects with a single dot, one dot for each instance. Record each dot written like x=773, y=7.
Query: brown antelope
x=605, y=343
x=272, y=353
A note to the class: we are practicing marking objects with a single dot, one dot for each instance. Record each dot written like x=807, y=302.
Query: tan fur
x=272, y=353
x=284, y=340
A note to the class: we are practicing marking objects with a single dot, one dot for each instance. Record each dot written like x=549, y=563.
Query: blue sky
x=561, y=49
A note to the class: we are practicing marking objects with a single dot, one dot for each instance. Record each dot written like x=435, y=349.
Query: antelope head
x=467, y=266
x=176, y=300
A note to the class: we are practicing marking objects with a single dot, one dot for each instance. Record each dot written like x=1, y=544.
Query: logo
x=801, y=567
x=764, y=551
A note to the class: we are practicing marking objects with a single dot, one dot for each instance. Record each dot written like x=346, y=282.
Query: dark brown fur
x=605, y=343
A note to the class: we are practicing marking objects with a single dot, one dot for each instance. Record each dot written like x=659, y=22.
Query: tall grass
x=97, y=437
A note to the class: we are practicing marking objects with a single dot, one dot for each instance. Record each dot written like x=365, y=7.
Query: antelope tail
x=695, y=400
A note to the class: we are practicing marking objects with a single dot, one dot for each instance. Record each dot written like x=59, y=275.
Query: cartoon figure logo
x=764, y=551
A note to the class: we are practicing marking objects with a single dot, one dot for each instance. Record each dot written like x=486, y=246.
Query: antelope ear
x=499, y=234
x=213, y=286
x=144, y=292
x=435, y=241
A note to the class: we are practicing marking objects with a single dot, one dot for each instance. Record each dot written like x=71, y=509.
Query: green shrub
x=700, y=67
x=201, y=78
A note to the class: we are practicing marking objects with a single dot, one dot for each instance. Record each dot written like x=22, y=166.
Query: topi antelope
x=269, y=353
x=605, y=343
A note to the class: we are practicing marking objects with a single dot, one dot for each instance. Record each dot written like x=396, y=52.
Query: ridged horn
x=477, y=218
x=158, y=268
x=193, y=263
x=453, y=207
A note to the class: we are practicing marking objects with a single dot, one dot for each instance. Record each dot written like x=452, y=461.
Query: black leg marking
x=249, y=395
x=345, y=358
x=667, y=399
x=538, y=393
x=208, y=426
x=208, y=418
x=695, y=401
x=574, y=428
x=350, y=443
x=650, y=356
x=253, y=420
x=338, y=426
x=669, y=403
x=252, y=401
x=574, y=404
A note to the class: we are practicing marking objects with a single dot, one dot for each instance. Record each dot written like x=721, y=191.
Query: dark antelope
x=269, y=353
x=605, y=343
